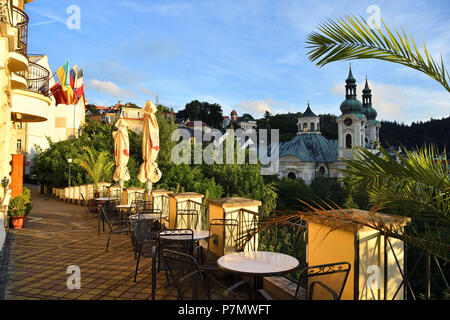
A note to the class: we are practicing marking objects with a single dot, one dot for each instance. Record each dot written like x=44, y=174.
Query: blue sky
x=247, y=55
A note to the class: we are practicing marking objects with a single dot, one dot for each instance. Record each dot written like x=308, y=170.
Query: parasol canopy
x=121, y=151
x=149, y=172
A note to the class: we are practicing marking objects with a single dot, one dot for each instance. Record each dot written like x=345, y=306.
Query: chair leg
x=137, y=266
x=107, y=243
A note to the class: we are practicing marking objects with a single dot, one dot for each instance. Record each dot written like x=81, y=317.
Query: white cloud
x=403, y=103
x=109, y=88
x=258, y=107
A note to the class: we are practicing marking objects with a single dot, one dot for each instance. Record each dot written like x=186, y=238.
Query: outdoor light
x=69, y=161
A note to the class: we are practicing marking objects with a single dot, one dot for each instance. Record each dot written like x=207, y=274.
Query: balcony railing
x=37, y=78
x=20, y=21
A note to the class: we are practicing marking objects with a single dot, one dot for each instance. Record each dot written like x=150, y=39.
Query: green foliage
x=352, y=38
x=20, y=205
x=418, y=186
x=203, y=111
x=98, y=165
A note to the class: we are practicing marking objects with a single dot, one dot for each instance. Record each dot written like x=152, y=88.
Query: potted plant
x=18, y=209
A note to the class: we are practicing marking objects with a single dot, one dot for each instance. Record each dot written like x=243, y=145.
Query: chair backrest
x=111, y=205
x=139, y=205
x=141, y=231
x=156, y=224
x=183, y=269
x=186, y=219
x=180, y=240
x=222, y=240
x=108, y=218
x=324, y=282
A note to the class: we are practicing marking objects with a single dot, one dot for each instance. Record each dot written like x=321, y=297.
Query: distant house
x=245, y=124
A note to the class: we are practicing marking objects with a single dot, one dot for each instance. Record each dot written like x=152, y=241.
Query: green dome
x=351, y=106
x=370, y=113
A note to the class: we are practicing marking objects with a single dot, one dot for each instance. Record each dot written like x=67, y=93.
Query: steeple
x=368, y=110
x=351, y=104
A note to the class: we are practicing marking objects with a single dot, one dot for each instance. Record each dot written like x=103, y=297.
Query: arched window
x=322, y=171
x=292, y=176
x=312, y=126
x=318, y=126
x=348, y=141
x=305, y=127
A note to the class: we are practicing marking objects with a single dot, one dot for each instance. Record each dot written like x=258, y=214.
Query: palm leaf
x=352, y=38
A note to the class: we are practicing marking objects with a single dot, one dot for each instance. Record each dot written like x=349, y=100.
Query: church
x=310, y=154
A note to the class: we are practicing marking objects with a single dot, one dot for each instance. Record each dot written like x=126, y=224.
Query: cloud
x=403, y=103
x=259, y=107
x=110, y=88
x=145, y=8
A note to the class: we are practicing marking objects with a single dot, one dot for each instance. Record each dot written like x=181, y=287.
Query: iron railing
x=20, y=20
x=38, y=78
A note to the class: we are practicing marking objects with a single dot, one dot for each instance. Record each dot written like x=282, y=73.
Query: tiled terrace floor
x=58, y=235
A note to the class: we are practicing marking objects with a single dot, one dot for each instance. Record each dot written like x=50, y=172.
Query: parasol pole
x=121, y=191
x=149, y=189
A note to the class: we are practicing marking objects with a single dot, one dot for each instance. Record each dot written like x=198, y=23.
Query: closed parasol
x=149, y=172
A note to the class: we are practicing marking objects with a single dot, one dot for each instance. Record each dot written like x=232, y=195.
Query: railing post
x=427, y=276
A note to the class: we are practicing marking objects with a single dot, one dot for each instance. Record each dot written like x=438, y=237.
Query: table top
x=103, y=199
x=198, y=235
x=258, y=263
x=124, y=206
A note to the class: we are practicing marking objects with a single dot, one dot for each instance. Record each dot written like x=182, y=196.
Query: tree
x=99, y=166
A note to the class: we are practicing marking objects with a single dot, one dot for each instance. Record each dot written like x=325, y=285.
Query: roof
x=310, y=147
x=308, y=113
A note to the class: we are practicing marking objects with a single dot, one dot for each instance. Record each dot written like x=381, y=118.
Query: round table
x=103, y=199
x=197, y=236
x=258, y=264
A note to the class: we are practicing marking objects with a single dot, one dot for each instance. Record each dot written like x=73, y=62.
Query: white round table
x=258, y=264
x=197, y=236
x=103, y=199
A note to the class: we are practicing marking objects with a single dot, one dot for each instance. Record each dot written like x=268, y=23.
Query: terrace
x=59, y=234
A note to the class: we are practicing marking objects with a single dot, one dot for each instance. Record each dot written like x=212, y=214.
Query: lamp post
x=70, y=161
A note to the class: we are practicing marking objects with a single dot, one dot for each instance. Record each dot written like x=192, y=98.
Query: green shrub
x=20, y=205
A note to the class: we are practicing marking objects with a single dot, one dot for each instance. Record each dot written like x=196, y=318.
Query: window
x=19, y=145
x=312, y=127
x=19, y=125
x=292, y=176
x=348, y=141
x=322, y=171
x=305, y=127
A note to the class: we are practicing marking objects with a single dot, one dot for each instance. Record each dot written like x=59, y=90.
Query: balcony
x=18, y=37
x=37, y=78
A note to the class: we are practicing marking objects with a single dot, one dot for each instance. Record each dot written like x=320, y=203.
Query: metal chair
x=320, y=282
x=144, y=244
x=139, y=205
x=89, y=209
x=183, y=267
x=225, y=230
x=114, y=224
x=186, y=219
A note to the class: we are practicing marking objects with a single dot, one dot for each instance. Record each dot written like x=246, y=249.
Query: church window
x=312, y=127
x=305, y=127
x=348, y=141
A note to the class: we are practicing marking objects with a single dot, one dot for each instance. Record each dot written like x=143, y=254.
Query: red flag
x=58, y=94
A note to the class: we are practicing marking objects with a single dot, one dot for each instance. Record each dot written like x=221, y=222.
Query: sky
x=247, y=55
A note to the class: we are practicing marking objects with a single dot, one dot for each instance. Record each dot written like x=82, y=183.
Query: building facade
x=310, y=154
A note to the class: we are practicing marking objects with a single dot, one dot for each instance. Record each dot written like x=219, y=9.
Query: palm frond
x=352, y=38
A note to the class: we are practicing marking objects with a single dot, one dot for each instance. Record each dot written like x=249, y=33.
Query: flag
x=73, y=77
x=58, y=94
x=79, y=85
x=64, y=79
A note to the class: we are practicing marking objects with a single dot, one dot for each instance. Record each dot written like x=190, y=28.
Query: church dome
x=370, y=113
x=351, y=106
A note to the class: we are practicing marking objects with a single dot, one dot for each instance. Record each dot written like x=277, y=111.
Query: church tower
x=352, y=122
x=308, y=122
x=373, y=126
